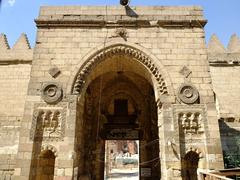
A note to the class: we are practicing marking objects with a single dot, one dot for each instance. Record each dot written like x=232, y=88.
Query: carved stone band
x=51, y=93
x=188, y=94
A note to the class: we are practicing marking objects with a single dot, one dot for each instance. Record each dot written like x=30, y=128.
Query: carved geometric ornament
x=121, y=32
x=54, y=71
x=51, y=93
x=185, y=71
x=187, y=93
x=48, y=124
x=191, y=123
x=119, y=50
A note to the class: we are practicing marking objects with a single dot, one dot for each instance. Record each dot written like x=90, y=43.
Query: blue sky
x=17, y=16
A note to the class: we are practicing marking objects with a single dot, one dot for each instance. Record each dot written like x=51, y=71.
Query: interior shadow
x=191, y=160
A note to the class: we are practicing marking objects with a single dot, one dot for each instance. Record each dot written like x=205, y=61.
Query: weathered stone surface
x=159, y=49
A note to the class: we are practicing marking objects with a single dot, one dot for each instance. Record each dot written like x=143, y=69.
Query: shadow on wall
x=230, y=139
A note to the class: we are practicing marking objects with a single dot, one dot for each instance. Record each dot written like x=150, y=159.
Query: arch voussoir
x=119, y=49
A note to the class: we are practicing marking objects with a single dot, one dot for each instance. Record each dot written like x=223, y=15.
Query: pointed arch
x=48, y=147
x=195, y=150
x=136, y=52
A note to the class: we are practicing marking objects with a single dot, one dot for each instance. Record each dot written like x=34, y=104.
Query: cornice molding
x=70, y=23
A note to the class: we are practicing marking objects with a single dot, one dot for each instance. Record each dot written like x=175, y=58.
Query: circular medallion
x=51, y=93
x=188, y=94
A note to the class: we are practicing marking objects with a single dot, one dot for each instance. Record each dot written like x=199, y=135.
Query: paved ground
x=121, y=174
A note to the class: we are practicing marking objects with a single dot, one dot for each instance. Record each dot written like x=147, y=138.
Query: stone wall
x=225, y=73
x=65, y=44
x=225, y=68
x=15, y=65
x=167, y=42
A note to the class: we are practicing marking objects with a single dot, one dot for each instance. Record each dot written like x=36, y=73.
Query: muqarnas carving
x=191, y=123
x=52, y=93
x=48, y=124
x=188, y=94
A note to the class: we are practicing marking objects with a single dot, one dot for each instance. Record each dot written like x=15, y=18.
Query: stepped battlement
x=20, y=52
x=218, y=54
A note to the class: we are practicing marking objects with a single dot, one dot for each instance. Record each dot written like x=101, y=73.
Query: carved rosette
x=52, y=93
x=121, y=50
x=188, y=94
x=48, y=123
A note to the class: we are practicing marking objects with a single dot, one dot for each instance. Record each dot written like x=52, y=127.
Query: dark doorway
x=191, y=160
x=45, y=166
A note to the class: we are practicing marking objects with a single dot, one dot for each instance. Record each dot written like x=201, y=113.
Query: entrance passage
x=117, y=111
x=46, y=163
x=121, y=160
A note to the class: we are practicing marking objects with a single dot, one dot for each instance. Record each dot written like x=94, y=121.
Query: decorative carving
x=185, y=71
x=51, y=93
x=188, y=94
x=191, y=122
x=122, y=50
x=54, y=71
x=122, y=32
x=48, y=123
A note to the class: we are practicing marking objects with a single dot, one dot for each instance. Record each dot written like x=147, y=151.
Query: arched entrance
x=45, y=165
x=190, y=165
x=117, y=101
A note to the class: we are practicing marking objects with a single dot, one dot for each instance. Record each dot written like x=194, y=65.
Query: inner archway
x=190, y=165
x=117, y=103
x=45, y=165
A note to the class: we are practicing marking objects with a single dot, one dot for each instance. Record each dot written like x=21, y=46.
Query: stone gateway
x=118, y=73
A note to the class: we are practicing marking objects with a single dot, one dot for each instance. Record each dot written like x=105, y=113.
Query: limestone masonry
x=99, y=73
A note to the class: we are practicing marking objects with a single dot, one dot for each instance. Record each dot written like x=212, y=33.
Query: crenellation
x=215, y=46
x=22, y=43
x=234, y=44
x=20, y=53
x=3, y=42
